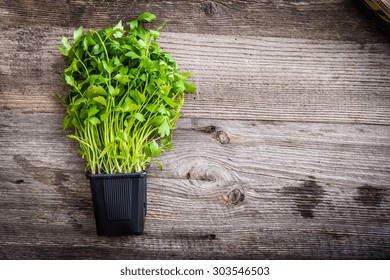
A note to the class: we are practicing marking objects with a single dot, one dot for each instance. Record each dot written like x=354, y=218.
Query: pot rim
x=117, y=175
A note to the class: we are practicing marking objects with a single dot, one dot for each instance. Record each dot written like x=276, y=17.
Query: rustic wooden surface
x=283, y=154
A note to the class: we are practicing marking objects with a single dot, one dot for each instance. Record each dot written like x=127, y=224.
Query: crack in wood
x=207, y=129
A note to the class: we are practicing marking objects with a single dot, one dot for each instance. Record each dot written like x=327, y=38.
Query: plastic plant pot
x=119, y=203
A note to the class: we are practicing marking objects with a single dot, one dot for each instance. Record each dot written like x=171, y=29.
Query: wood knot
x=211, y=236
x=209, y=8
x=222, y=137
x=194, y=174
x=235, y=197
x=207, y=129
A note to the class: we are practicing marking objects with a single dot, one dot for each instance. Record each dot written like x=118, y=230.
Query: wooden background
x=283, y=154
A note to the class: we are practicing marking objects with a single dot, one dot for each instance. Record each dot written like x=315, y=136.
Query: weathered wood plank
x=247, y=78
x=283, y=154
x=274, y=149
x=336, y=19
x=231, y=189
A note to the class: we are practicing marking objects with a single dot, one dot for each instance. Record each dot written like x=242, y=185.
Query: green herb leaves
x=124, y=97
x=146, y=17
x=78, y=34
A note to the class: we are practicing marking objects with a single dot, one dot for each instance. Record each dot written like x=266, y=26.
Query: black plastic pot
x=119, y=203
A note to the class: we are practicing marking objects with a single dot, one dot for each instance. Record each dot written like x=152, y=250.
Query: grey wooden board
x=231, y=189
x=283, y=154
x=316, y=19
x=246, y=78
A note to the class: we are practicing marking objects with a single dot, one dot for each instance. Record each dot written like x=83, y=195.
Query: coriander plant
x=124, y=96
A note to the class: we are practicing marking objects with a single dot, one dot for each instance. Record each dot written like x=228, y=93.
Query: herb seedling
x=124, y=97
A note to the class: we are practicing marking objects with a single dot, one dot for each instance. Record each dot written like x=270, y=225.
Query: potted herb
x=124, y=98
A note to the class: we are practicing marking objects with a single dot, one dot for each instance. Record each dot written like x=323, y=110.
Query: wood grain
x=283, y=154
x=242, y=190
x=336, y=19
x=247, y=78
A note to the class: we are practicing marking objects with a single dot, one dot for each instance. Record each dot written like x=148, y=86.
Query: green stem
x=104, y=47
x=82, y=63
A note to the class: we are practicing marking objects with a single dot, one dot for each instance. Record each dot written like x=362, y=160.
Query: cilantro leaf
x=94, y=120
x=146, y=17
x=164, y=129
x=78, y=34
x=154, y=148
x=100, y=99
